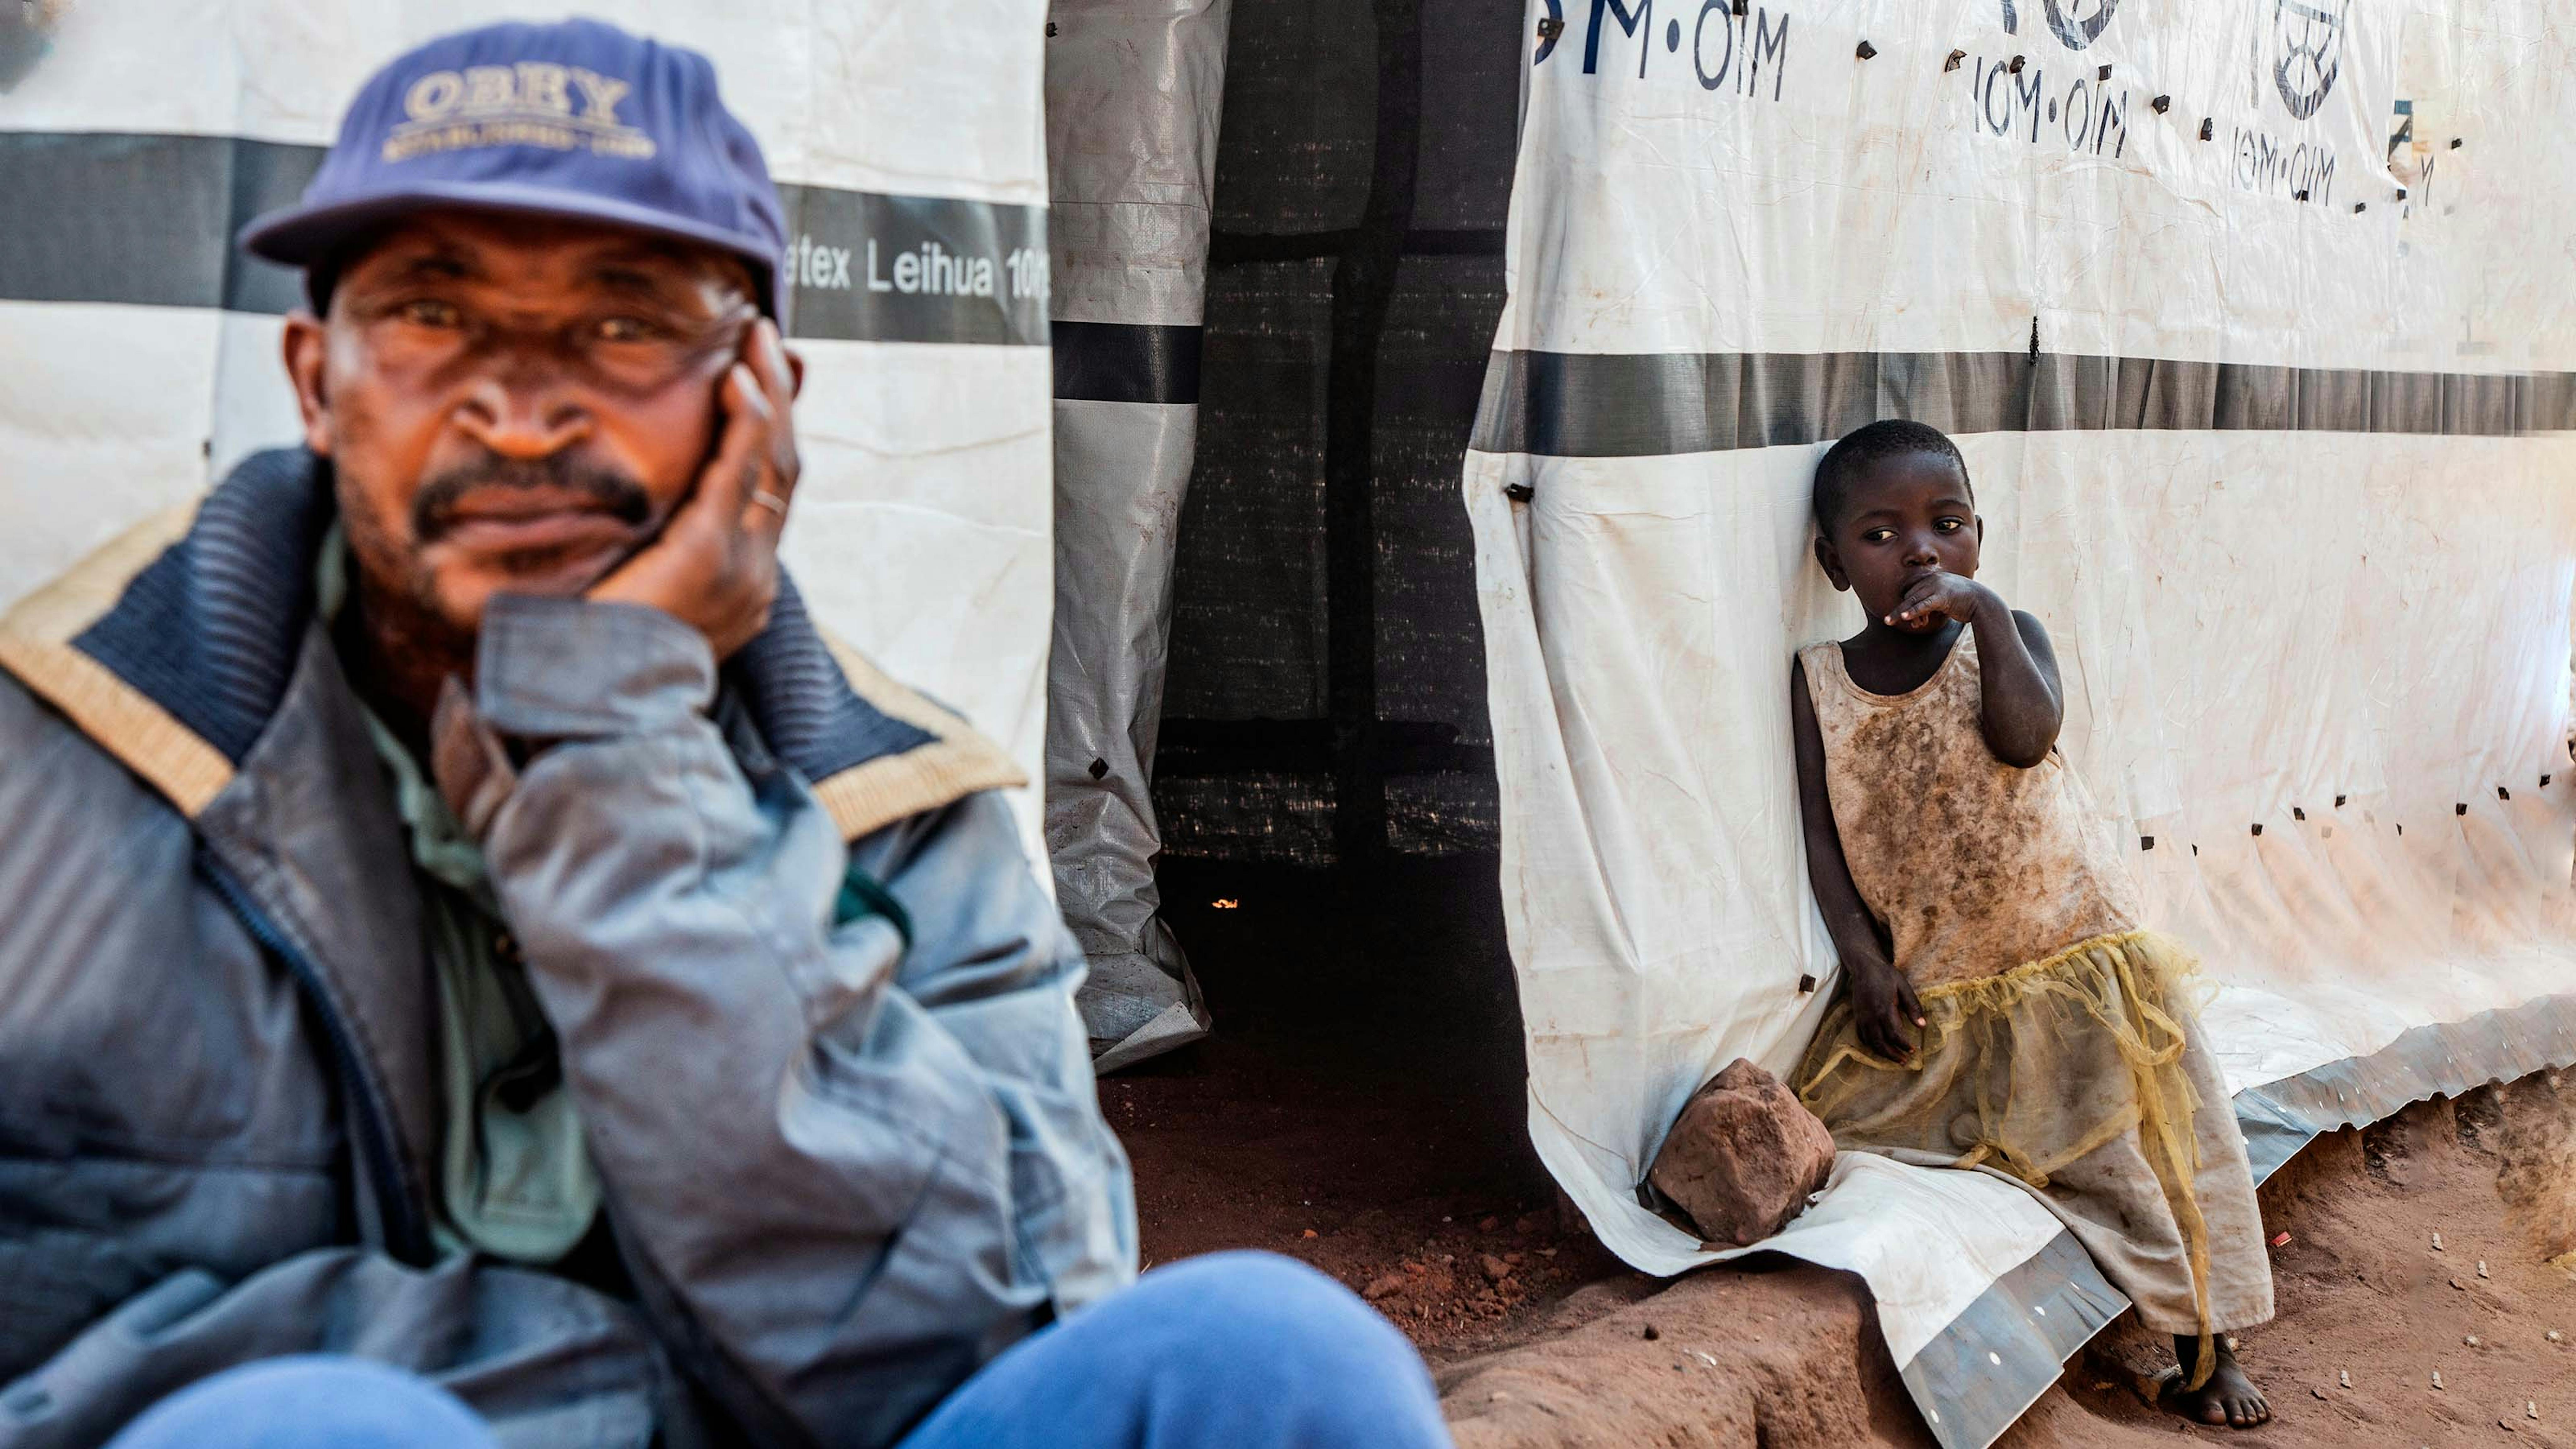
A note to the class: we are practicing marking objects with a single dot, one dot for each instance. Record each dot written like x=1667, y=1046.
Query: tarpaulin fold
x=1134, y=91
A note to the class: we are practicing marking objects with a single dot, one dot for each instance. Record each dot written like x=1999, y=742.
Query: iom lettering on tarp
x=2018, y=95
x=877, y=268
x=2275, y=152
x=2275, y=166
x=2086, y=115
x=1741, y=55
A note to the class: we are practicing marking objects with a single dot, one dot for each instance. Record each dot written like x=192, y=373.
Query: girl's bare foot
x=2229, y=1397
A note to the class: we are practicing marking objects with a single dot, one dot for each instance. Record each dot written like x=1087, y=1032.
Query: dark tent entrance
x=1321, y=763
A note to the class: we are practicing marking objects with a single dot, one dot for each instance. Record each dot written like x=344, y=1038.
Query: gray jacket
x=844, y=1164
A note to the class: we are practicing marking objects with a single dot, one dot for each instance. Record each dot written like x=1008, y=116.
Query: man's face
x=513, y=404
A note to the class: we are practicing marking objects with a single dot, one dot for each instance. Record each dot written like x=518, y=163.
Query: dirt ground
x=1367, y=1118
x=1367, y=1123
x=1790, y=1358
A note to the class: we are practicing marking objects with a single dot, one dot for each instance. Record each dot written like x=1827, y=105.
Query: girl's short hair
x=1847, y=461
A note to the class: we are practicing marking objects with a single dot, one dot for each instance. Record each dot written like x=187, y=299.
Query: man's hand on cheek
x=715, y=565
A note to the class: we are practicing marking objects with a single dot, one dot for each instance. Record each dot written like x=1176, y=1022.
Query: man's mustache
x=433, y=510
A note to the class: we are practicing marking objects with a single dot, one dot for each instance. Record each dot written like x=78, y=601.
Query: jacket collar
x=174, y=647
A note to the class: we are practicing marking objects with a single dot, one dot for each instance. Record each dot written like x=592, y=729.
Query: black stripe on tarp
x=2002, y=1352
x=964, y=283
x=144, y=220
x=1126, y=363
x=1638, y=405
x=149, y=220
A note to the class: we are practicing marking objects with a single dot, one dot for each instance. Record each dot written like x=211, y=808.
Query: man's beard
x=399, y=593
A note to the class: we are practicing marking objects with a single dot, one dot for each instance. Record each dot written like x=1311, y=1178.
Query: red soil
x=1376, y=1132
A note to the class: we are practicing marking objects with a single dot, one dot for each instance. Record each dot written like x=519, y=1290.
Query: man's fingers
x=715, y=565
x=769, y=354
x=768, y=358
x=772, y=484
x=722, y=483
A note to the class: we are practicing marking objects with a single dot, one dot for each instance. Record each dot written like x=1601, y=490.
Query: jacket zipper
x=375, y=1133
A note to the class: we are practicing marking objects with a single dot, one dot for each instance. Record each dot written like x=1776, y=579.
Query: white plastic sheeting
x=2264, y=387
x=142, y=354
x=1134, y=88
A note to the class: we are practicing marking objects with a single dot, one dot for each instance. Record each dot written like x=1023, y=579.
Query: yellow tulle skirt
x=2032, y=1069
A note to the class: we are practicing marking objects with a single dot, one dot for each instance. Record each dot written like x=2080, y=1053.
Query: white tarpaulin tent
x=2264, y=384
x=142, y=353
x=1133, y=94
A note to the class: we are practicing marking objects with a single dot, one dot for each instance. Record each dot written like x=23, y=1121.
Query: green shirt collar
x=439, y=844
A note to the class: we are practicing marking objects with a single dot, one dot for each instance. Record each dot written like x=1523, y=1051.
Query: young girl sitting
x=2004, y=1009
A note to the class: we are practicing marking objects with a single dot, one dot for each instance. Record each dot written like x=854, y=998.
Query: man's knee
x=311, y=1402
x=1242, y=1299
x=1257, y=1326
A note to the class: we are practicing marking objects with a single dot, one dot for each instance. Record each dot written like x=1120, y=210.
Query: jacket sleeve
x=544, y=1361
x=844, y=1171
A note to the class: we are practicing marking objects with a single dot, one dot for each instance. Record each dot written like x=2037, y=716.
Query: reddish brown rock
x=1743, y=1157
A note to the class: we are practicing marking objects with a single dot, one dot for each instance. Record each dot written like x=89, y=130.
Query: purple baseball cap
x=575, y=119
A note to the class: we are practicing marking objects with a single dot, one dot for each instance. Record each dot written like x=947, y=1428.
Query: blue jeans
x=313, y=1401
x=1229, y=1351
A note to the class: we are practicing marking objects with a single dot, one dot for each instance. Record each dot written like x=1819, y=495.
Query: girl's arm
x=2017, y=672
x=2016, y=665
x=1882, y=1000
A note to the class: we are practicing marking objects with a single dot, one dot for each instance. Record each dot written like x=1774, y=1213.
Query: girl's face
x=1908, y=516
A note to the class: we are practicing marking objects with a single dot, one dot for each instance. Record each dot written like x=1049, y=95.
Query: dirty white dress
x=2060, y=1051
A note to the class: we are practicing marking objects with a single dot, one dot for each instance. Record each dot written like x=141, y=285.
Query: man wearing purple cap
x=477, y=963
